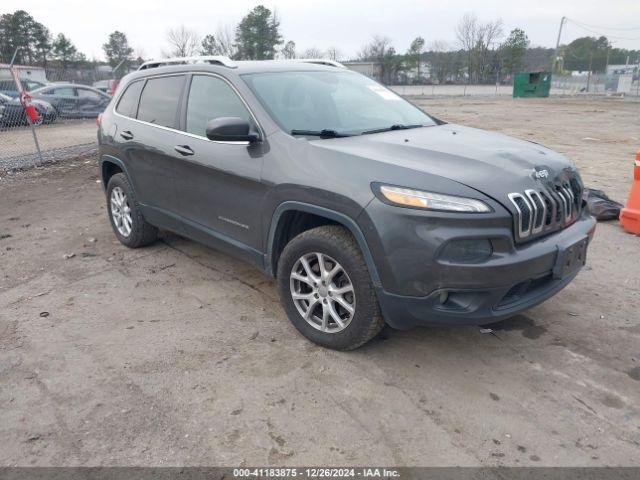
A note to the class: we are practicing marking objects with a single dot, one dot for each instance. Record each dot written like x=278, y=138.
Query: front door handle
x=126, y=134
x=184, y=150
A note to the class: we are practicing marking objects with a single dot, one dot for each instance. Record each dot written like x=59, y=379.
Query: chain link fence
x=599, y=84
x=595, y=84
x=67, y=115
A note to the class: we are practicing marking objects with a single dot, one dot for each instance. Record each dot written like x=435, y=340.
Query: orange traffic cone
x=630, y=215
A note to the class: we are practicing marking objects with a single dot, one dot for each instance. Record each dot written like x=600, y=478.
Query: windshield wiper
x=325, y=133
x=397, y=126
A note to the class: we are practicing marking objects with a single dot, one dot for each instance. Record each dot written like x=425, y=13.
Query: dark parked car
x=364, y=207
x=12, y=112
x=73, y=101
x=9, y=88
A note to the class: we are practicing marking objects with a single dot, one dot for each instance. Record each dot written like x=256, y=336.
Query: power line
x=577, y=24
x=606, y=28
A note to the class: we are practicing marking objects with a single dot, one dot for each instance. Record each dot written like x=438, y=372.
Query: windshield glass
x=342, y=101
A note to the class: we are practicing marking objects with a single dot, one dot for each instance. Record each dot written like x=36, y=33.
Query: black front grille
x=538, y=212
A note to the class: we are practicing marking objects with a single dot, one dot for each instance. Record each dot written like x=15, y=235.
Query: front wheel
x=326, y=290
x=51, y=118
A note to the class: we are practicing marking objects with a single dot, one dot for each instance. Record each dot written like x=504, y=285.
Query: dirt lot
x=178, y=355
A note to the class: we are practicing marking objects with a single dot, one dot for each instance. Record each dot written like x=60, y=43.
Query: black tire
x=53, y=116
x=336, y=242
x=142, y=233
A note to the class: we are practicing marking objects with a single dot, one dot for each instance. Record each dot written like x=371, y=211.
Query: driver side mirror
x=231, y=129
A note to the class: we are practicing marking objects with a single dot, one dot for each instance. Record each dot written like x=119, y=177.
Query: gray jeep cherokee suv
x=365, y=208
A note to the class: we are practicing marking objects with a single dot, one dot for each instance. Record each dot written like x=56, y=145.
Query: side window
x=64, y=91
x=209, y=98
x=90, y=94
x=128, y=104
x=6, y=85
x=159, y=100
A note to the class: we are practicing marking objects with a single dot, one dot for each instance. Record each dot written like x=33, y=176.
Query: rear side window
x=65, y=91
x=30, y=85
x=90, y=94
x=209, y=98
x=159, y=101
x=128, y=104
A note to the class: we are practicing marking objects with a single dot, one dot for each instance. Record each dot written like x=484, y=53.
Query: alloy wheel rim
x=322, y=292
x=121, y=211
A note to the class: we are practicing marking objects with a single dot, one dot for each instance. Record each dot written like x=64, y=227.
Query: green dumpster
x=531, y=84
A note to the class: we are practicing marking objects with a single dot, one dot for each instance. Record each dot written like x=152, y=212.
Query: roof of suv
x=239, y=67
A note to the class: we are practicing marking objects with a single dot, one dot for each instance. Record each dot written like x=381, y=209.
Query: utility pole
x=117, y=67
x=590, y=66
x=555, y=53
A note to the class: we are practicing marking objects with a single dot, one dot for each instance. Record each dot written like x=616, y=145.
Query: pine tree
x=117, y=49
x=257, y=35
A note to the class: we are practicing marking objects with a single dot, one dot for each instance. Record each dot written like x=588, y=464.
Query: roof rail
x=211, y=59
x=320, y=61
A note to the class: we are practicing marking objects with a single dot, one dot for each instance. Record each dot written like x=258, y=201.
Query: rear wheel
x=125, y=216
x=326, y=289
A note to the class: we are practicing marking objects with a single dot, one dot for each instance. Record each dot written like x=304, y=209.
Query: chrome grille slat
x=565, y=205
x=539, y=210
x=550, y=209
x=546, y=210
x=522, y=231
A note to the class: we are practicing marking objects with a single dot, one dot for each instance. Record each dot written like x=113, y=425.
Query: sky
x=344, y=24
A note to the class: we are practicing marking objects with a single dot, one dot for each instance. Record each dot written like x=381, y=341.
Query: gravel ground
x=177, y=354
x=9, y=166
x=62, y=140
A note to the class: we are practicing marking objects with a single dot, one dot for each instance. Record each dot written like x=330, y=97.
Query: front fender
x=334, y=215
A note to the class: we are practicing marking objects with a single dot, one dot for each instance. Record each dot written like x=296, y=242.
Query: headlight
x=432, y=201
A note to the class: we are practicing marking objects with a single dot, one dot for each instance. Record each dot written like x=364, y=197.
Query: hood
x=490, y=162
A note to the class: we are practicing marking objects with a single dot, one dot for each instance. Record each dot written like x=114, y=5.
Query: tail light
x=99, y=119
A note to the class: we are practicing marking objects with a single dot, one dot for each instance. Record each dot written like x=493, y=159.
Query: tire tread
x=341, y=239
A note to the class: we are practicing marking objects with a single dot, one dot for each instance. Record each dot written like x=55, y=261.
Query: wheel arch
x=281, y=216
x=109, y=166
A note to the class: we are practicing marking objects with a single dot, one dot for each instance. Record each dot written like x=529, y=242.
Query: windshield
x=340, y=102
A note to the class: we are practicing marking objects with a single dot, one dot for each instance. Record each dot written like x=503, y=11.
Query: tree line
x=481, y=53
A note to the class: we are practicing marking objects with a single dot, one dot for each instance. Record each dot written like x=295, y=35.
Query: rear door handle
x=184, y=150
x=126, y=134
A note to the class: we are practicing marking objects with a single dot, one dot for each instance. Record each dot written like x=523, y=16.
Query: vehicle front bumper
x=489, y=292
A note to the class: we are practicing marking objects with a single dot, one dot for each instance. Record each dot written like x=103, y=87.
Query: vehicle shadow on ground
x=237, y=270
x=473, y=337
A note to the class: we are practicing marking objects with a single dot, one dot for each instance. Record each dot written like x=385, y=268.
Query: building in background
x=418, y=76
x=370, y=69
x=621, y=69
x=25, y=72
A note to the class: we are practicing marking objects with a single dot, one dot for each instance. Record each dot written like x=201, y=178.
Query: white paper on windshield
x=383, y=92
